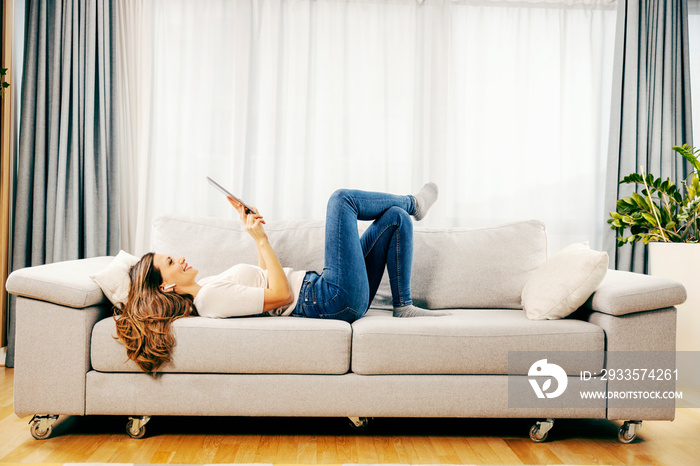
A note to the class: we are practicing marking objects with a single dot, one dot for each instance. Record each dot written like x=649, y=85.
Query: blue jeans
x=354, y=265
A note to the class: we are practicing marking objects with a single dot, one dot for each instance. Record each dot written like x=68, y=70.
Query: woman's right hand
x=253, y=223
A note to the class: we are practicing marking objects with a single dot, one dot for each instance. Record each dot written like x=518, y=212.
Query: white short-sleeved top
x=239, y=291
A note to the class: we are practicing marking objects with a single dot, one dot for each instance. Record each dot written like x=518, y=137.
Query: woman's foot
x=413, y=311
x=425, y=198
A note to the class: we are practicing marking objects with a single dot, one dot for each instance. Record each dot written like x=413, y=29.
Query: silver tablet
x=248, y=209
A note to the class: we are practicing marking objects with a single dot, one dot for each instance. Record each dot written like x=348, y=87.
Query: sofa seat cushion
x=250, y=345
x=467, y=342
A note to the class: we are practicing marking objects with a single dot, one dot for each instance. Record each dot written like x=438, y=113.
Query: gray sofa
x=463, y=365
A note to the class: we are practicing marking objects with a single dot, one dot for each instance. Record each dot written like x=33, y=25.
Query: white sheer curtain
x=504, y=104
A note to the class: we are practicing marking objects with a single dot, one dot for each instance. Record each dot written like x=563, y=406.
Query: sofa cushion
x=213, y=245
x=467, y=342
x=482, y=268
x=564, y=282
x=249, y=345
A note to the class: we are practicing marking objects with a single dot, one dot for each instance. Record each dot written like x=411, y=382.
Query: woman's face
x=175, y=271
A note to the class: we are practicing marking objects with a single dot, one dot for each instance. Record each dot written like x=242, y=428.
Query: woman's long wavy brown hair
x=143, y=324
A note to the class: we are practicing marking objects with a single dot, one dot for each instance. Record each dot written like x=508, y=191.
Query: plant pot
x=680, y=262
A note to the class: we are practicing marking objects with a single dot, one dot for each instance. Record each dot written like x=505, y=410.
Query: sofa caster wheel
x=136, y=426
x=628, y=431
x=540, y=430
x=41, y=426
x=359, y=423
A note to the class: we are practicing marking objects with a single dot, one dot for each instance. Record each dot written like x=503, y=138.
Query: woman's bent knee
x=398, y=215
x=339, y=196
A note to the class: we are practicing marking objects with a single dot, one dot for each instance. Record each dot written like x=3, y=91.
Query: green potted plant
x=667, y=218
x=662, y=212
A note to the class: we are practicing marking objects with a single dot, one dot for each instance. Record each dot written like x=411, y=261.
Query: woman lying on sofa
x=164, y=288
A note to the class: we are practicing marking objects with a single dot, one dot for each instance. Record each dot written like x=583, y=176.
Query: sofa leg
x=136, y=426
x=540, y=430
x=628, y=431
x=358, y=423
x=41, y=426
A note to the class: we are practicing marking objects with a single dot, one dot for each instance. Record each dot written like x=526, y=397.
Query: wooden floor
x=331, y=441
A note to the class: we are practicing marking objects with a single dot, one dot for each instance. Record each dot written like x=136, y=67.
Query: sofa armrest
x=65, y=283
x=637, y=314
x=52, y=356
x=622, y=293
x=56, y=307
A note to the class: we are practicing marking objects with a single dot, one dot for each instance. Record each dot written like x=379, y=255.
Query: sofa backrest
x=212, y=245
x=481, y=268
x=484, y=268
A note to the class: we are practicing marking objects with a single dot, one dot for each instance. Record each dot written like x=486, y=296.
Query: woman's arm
x=278, y=293
x=261, y=261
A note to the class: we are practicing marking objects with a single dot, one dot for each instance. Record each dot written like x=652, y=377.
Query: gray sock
x=413, y=311
x=425, y=198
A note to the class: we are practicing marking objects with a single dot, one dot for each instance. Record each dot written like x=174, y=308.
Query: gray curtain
x=66, y=194
x=651, y=106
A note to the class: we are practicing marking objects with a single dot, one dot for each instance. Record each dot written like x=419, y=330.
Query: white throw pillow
x=114, y=280
x=564, y=282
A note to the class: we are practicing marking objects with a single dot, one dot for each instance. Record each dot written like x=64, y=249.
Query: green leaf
x=649, y=218
x=637, y=217
x=637, y=229
x=627, y=239
x=640, y=201
x=633, y=178
x=690, y=154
